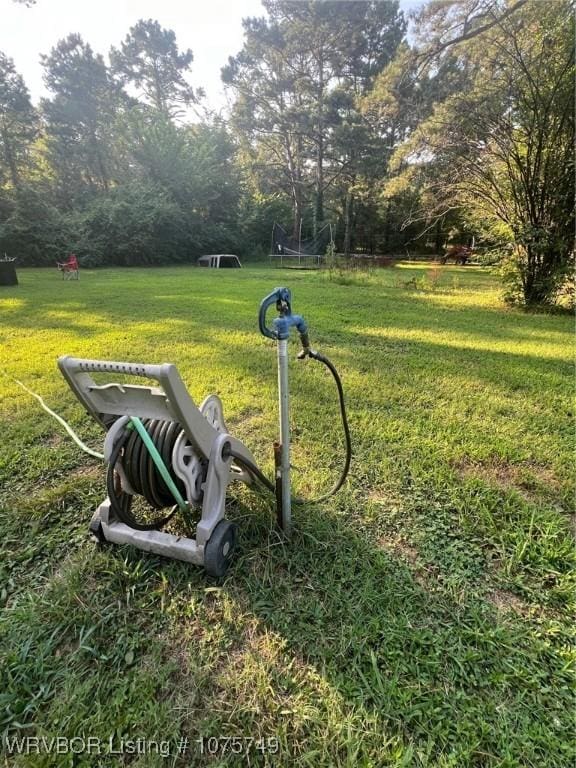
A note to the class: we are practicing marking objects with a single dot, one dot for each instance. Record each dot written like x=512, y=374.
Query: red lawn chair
x=69, y=268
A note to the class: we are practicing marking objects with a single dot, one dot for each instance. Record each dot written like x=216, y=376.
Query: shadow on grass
x=115, y=301
x=451, y=679
x=328, y=643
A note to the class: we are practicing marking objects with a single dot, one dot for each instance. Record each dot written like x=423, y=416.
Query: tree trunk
x=319, y=192
x=158, y=98
x=319, y=196
x=10, y=159
x=541, y=276
x=387, y=227
x=297, y=211
x=101, y=168
x=296, y=186
x=348, y=223
x=438, y=242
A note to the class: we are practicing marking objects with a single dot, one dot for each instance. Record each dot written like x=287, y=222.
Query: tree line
x=461, y=128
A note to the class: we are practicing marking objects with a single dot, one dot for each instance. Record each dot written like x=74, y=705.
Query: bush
x=533, y=277
x=31, y=229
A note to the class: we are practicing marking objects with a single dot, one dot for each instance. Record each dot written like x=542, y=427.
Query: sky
x=211, y=28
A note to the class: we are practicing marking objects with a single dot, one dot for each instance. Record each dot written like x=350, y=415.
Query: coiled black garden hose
x=142, y=473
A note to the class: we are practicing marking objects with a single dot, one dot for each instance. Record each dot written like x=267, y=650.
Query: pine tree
x=297, y=80
x=149, y=60
x=18, y=122
x=80, y=116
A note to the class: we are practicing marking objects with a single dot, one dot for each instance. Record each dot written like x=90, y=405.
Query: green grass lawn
x=420, y=618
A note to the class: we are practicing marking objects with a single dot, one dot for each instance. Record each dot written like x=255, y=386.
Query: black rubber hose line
x=257, y=472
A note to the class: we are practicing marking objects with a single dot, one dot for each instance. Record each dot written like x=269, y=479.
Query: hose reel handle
x=77, y=365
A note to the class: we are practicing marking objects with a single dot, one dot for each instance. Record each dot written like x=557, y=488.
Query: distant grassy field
x=420, y=618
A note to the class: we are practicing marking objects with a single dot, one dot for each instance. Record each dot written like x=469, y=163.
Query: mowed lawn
x=420, y=618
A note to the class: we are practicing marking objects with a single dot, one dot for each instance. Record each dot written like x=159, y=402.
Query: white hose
x=65, y=424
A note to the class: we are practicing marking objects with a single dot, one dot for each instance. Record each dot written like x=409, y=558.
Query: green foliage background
x=455, y=129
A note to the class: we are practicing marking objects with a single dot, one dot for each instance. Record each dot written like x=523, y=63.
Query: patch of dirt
x=505, y=602
x=256, y=642
x=528, y=478
x=92, y=472
x=385, y=497
x=377, y=497
x=399, y=548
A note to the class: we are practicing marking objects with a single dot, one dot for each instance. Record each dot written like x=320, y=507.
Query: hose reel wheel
x=219, y=548
x=96, y=529
x=213, y=411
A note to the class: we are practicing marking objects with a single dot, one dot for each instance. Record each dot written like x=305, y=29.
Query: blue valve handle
x=281, y=325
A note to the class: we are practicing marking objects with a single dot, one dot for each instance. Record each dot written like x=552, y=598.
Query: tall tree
x=341, y=46
x=441, y=24
x=403, y=96
x=80, y=115
x=502, y=150
x=267, y=114
x=18, y=122
x=149, y=59
x=359, y=151
x=296, y=71
x=191, y=165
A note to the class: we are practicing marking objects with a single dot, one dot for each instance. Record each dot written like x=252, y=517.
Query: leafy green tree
x=149, y=60
x=314, y=34
x=392, y=109
x=257, y=214
x=79, y=117
x=296, y=81
x=403, y=97
x=441, y=24
x=114, y=180
x=359, y=152
x=18, y=123
x=133, y=224
x=343, y=46
x=268, y=113
x=192, y=165
x=503, y=150
x=153, y=148
x=32, y=228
